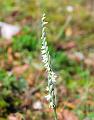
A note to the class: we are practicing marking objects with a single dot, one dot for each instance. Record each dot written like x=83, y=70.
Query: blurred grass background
x=70, y=36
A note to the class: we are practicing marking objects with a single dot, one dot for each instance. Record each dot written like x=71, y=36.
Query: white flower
x=47, y=66
x=44, y=50
x=51, y=87
x=53, y=80
x=47, y=88
x=53, y=77
x=44, y=23
x=47, y=63
x=51, y=105
x=48, y=97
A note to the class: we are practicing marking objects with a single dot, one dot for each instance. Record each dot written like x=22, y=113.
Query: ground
x=23, y=79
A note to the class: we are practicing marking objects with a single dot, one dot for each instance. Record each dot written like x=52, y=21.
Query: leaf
x=69, y=105
x=91, y=116
x=19, y=70
x=68, y=32
x=16, y=116
x=3, y=103
x=67, y=115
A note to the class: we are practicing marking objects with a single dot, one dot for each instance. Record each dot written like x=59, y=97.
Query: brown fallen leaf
x=17, y=55
x=5, y=43
x=63, y=90
x=89, y=62
x=77, y=56
x=68, y=32
x=16, y=116
x=11, y=117
x=70, y=45
x=2, y=64
x=26, y=102
x=89, y=102
x=38, y=95
x=10, y=59
x=31, y=79
x=19, y=70
x=10, y=55
x=67, y=46
x=67, y=115
x=69, y=105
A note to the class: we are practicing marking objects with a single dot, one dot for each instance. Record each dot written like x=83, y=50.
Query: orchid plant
x=51, y=88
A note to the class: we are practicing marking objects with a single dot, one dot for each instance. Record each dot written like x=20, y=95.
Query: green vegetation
x=71, y=45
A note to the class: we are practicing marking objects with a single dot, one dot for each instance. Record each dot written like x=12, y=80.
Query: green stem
x=55, y=114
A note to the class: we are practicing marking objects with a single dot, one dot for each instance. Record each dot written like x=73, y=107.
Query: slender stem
x=55, y=114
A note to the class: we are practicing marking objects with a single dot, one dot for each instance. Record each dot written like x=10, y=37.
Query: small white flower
x=46, y=60
x=51, y=87
x=53, y=74
x=53, y=77
x=43, y=18
x=48, y=97
x=47, y=66
x=51, y=105
x=45, y=23
x=43, y=30
x=47, y=88
x=53, y=80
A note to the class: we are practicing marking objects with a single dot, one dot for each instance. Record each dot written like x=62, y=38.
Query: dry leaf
x=16, y=116
x=5, y=44
x=77, y=56
x=67, y=115
x=89, y=62
x=69, y=105
x=19, y=70
x=70, y=45
x=31, y=79
x=68, y=32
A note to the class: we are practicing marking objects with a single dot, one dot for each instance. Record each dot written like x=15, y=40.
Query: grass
x=76, y=77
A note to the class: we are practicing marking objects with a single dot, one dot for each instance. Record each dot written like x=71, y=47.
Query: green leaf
x=3, y=103
x=91, y=116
